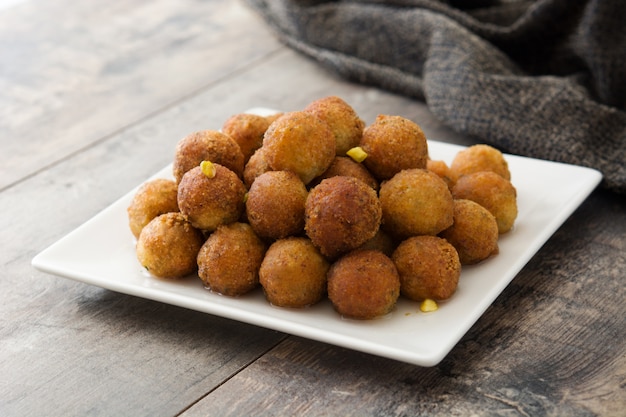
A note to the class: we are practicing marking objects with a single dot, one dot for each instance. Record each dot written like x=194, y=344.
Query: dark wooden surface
x=93, y=97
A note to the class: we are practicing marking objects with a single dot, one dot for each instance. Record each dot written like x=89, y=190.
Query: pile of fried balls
x=314, y=203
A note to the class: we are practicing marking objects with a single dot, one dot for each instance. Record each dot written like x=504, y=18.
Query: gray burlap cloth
x=545, y=79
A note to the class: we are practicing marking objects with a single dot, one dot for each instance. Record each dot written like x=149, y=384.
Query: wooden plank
x=552, y=344
x=73, y=73
x=72, y=349
x=112, y=354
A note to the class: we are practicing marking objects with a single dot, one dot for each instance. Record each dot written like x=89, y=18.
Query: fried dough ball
x=416, y=202
x=207, y=145
x=474, y=233
x=275, y=204
x=342, y=120
x=247, y=130
x=428, y=266
x=347, y=167
x=210, y=202
x=293, y=273
x=257, y=165
x=299, y=142
x=272, y=117
x=441, y=168
x=363, y=284
x=491, y=191
x=382, y=242
x=478, y=158
x=341, y=214
x=167, y=246
x=152, y=199
x=393, y=143
x=229, y=260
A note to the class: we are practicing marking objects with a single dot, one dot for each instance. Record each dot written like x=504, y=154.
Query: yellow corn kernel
x=428, y=305
x=208, y=169
x=357, y=154
x=245, y=198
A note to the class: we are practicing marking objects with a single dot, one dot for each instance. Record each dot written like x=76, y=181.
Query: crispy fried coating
x=247, y=130
x=229, y=260
x=341, y=214
x=443, y=170
x=416, y=202
x=382, y=241
x=257, y=165
x=393, y=143
x=167, y=246
x=347, y=167
x=152, y=199
x=207, y=145
x=272, y=117
x=314, y=202
x=210, y=202
x=491, y=191
x=478, y=158
x=363, y=284
x=275, y=205
x=342, y=120
x=474, y=233
x=293, y=273
x=428, y=266
x=299, y=142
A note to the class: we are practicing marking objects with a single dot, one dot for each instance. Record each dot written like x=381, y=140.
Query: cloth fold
x=545, y=79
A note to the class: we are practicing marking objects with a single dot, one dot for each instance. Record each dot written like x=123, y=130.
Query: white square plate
x=101, y=252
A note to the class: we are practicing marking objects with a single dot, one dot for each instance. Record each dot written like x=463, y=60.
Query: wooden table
x=93, y=98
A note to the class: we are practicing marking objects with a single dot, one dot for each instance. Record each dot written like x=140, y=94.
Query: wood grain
x=94, y=98
x=71, y=76
x=552, y=344
x=158, y=347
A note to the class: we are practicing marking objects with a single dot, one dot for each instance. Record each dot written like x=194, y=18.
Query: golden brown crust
x=428, y=266
x=275, y=205
x=272, y=117
x=152, y=199
x=257, y=165
x=301, y=143
x=341, y=214
x=210, y=202
x=363, y=284
x=229, y=260
x=478, y=158
x=293, y=273
x=343, y=121
x=393, y=143
x=167, y=246
x=474, y=232
x=347, y=167
x=247, y=130
x=441, y=168
x=377, y=204
x=491, y=191
x=416, y=202
x=382, y=241
x=207, y=145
